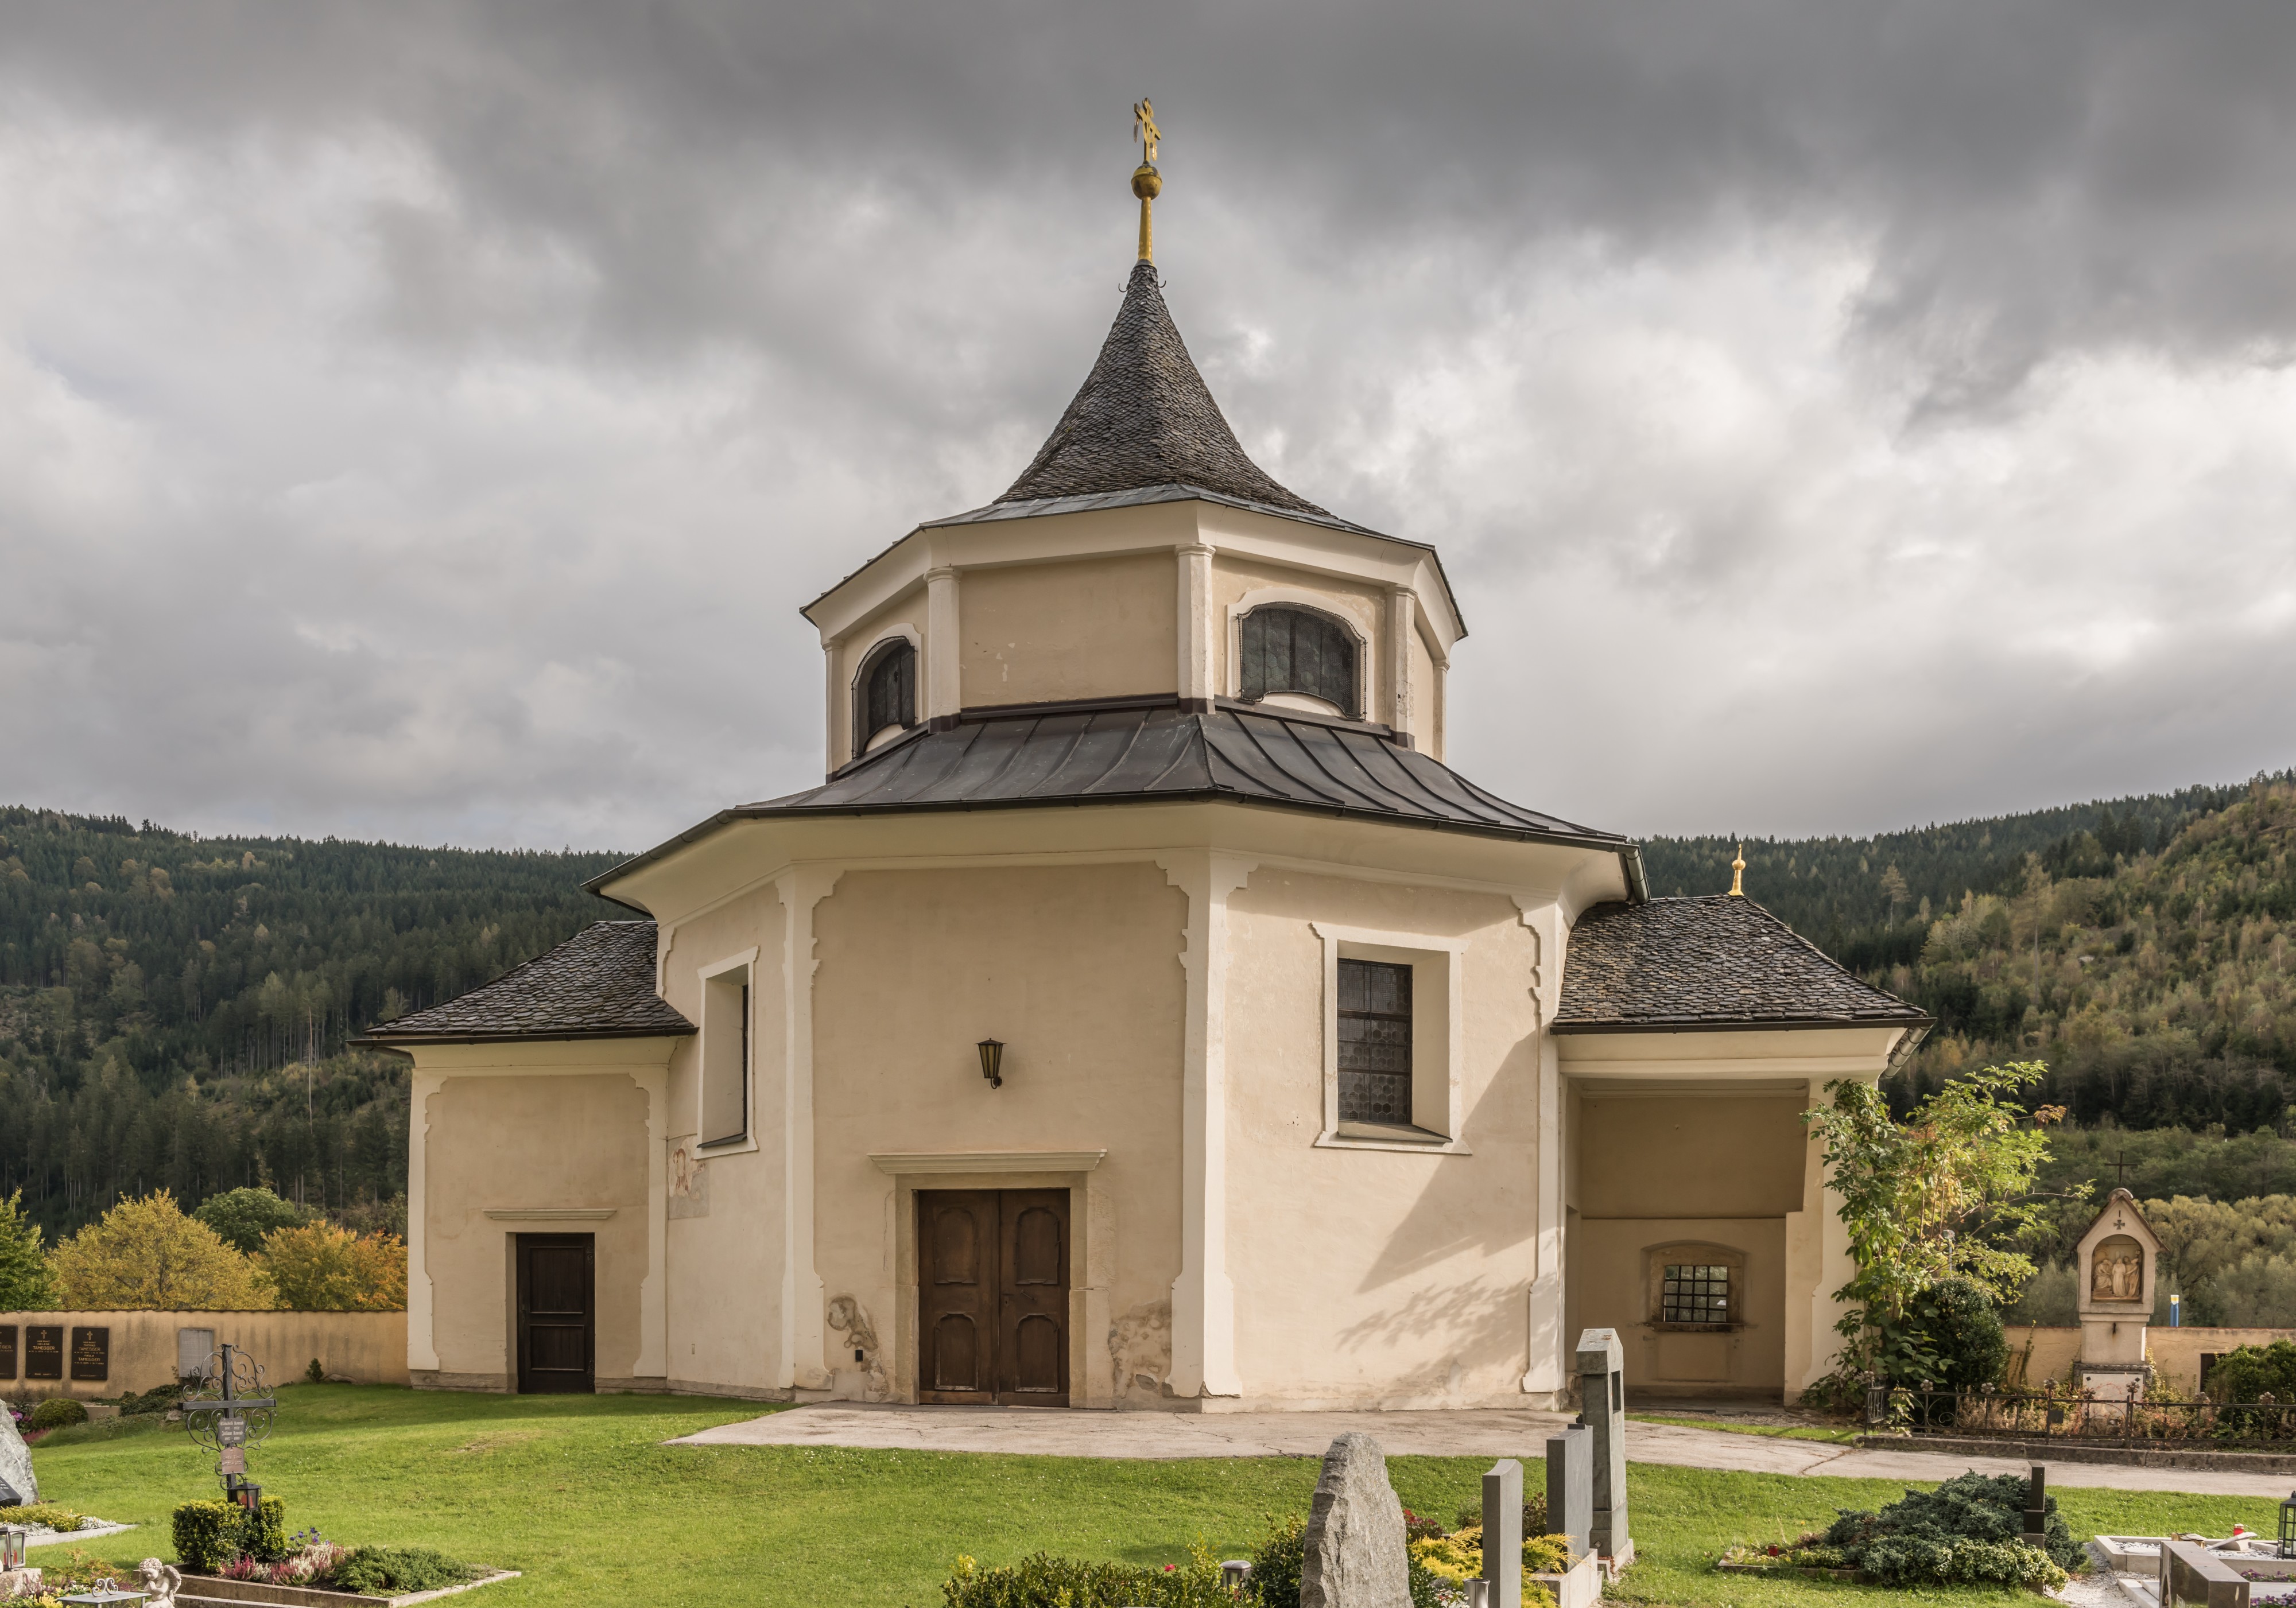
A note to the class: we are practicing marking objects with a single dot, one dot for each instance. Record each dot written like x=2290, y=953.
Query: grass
x=579, y=1492
x=1832, y=1434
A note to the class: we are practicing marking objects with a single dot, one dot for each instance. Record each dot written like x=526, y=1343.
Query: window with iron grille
x=887, y=695
x=1695, y=1292
x=1300, y=651
x=1375, y=1024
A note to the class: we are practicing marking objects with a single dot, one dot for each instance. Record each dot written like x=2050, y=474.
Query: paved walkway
x=1059, y=1433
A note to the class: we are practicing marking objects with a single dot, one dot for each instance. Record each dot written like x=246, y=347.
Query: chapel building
x=1140, y=1014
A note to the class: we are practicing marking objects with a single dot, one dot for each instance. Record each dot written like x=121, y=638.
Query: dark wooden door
x=993, y=1296
x=557, y=1314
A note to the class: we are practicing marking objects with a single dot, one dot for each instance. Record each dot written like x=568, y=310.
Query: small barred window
x=1286, y=649
x=1695, y=1293
x=1374, y=1023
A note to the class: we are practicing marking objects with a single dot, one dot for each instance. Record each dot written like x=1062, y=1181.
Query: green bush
x=213, y=1533
x=58, y=1412
x=1045, y=1581
x=2252, y=1373
x=1950, y=1339
x=1963, y=1533
x=160, y=1398
x=1277, y=1561
x=392, y=1570
x=42, y=1515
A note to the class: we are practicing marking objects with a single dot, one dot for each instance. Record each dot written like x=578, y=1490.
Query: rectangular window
x=1695, y=1293
x=726, y=1057
x=1374, y=1042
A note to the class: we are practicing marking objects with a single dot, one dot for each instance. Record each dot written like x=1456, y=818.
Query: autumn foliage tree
x=319, y=1268
x=144, y=1254
x=26, y=1284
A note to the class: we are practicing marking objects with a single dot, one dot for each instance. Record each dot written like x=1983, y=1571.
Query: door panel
x=557, y=1317
x=1032, y=1359
x=993, y=1296
x=956, y=1294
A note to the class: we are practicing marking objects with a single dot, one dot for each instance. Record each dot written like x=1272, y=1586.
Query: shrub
x=58, y=1412
x=160, y=1398
x=1045, y=1581
x=392, y=1570
x=1277, y=1562
x=1954, y=1323
x=2249, y=1372
x=210, y=1536
x=42, y=1515
x=1964, y=1533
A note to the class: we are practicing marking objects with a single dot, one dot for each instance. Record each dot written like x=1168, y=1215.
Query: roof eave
x=1737, y=1024
x=400, y=1041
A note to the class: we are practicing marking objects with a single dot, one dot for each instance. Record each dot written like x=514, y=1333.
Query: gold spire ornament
x=1147, y=184
x=1738, y=873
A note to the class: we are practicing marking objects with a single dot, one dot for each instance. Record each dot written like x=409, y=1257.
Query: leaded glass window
x=1695, y=1293
x=1374, y=1023
x=887, y=693
x=1298, y=651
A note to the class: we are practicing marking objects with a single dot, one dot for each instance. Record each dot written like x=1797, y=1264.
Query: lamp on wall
x=992, y=1060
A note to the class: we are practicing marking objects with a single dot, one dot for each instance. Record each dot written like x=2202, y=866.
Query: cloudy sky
x=423, y=421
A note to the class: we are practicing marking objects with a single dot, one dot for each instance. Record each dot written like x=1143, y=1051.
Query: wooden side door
x=1032, y=1328
x=956, y=1295
x=557, y=1315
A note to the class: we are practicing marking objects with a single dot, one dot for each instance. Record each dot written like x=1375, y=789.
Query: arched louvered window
x=1292, y=650
x=886, y=693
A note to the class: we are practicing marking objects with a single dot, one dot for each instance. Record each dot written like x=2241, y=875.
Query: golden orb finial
x=1738, y=873
x=1147, y=184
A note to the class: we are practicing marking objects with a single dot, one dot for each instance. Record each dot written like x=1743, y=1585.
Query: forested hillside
x=174, y=1009
x=2139, y=948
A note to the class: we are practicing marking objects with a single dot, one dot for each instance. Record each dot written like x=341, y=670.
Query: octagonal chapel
x=1141, y=1013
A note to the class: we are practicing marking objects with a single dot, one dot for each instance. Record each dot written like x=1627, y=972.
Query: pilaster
x=944, y=650
x=422, y=1300
x=654, y=1290
x=1547, y=1355
x=1197, y=685
x=803, y=1361
x=1204, y=1297
x=1402, y=624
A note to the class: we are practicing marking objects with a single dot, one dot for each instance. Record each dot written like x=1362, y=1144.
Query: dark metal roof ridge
x=384, y=1037
x=1735, y=1024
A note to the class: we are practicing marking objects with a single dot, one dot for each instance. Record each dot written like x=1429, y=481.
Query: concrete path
x=1057, y=1432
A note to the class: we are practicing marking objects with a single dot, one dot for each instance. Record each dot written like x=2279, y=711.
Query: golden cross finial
x=1147, y=184
x=1738, y=873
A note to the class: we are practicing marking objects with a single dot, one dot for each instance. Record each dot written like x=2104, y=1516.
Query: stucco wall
x=1360, y=604
x=513, y=1143
x=369, y=1348
x=1675, y=1166
x=1093, y=628
x=903, y=617
x=2175, y=1354
x=726, y=1208
x=1367, y=1276
x=1076, y=968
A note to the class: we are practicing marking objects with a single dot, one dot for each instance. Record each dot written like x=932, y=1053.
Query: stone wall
x=2175, y=1353
x=367, y=1347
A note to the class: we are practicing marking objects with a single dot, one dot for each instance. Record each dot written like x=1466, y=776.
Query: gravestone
x=2036, y=1507
x=1570, y=1487
x=91, y=1355
x=1355, y=1556
x=44, y=1351
x=7, y=1351
x=1503, y=1534
x=1603, y=1388
x=19, y=1487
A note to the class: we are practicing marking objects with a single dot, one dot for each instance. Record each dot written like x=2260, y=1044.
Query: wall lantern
x=12, y=1546
x=992, y=1062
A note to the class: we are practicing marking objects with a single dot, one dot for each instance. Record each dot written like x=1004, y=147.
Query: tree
x=144, y=1254
x=1930, y=1199
x=243, y=1217
x=319, y=1268
x=25, y=1283
x=1893, y=889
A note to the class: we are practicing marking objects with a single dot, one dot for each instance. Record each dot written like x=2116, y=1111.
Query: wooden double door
x=557, y=1313
x=993, y=1296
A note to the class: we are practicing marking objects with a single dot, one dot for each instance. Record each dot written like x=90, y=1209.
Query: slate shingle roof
x=1715, y=962
x=1145, y=418
x=1162, y=754
x=598, y=984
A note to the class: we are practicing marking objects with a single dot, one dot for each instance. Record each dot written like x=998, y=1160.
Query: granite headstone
x=1355, y=1533
x=18, y=1486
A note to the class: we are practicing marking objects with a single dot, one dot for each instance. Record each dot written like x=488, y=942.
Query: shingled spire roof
x=1144, y=418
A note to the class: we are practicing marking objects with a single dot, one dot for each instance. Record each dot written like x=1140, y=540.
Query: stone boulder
x=18, y=1487
x=1355, y=1533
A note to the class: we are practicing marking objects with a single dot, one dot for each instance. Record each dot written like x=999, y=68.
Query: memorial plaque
x=230, y=1431
x=44, y=1351
x=91, y=1354
x=7, y=1351
x=233, y=1461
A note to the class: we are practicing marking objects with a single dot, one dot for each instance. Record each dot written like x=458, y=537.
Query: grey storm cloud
x=427, y=418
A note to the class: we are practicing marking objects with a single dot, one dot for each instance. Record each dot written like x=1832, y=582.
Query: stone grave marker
x=1603, y=1386
x=1570, y=1487
x=1355, y=1533
x=1503, y=1534
x=19, y=1486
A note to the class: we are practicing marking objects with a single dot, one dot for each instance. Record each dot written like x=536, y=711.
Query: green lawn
x=579, y=1492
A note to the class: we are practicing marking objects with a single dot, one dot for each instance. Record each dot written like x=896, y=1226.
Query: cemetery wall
x=729, y=1204
x=1394, y=1276
x=142, y=1351
x=1077, y=969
